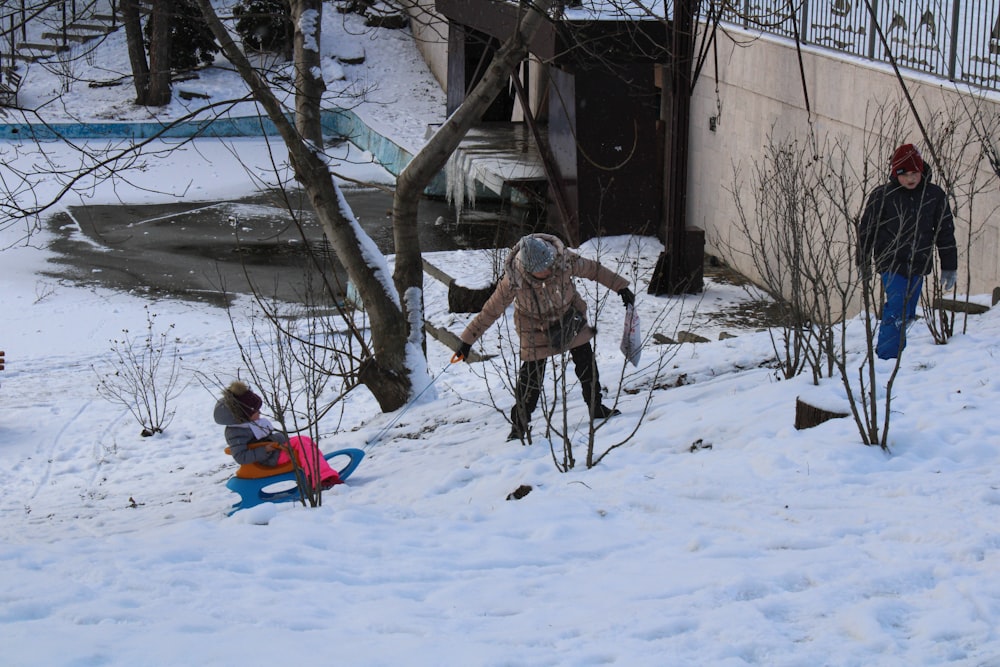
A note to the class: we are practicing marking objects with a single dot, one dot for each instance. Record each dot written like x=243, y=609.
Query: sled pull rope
x=399, y=415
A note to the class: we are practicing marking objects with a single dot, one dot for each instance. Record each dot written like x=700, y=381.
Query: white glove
x=948, y=280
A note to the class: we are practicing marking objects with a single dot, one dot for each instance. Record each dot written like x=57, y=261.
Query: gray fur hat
x=536, y=255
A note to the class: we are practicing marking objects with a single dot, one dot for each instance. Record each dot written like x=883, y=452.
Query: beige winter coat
x=538, y=304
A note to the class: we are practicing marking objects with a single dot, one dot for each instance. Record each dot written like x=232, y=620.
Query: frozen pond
x=203, y=250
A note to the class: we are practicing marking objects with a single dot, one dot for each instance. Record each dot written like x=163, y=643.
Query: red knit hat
x=905, y=159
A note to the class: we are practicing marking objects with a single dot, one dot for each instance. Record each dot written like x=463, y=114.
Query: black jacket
x=901, y=227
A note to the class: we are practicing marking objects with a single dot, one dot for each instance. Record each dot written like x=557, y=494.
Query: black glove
x=627, y=297
x=462, y=353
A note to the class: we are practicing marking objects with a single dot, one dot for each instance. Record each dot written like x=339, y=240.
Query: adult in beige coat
x=550, y=318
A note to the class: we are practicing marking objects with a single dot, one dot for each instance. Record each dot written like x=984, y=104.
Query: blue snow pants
x=902, y=294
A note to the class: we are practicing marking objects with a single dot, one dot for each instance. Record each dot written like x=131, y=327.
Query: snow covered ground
x=762, y=546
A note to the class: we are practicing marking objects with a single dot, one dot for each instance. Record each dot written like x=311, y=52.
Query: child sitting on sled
x=253, y=439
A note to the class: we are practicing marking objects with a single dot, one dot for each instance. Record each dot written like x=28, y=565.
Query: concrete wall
x=430, y=30
x=757, y=96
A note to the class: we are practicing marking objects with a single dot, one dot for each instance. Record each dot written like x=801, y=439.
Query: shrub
x=191, y=40
x=143, y=376
x=265, y=25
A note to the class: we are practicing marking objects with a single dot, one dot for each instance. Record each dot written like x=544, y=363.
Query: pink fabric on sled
x=308, y=454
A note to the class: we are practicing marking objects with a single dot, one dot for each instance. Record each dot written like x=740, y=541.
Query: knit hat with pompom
x=241, y=401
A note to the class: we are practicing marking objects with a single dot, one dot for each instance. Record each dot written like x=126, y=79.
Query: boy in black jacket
x=903, y=221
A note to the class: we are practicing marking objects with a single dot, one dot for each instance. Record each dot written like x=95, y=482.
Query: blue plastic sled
x=252, y=489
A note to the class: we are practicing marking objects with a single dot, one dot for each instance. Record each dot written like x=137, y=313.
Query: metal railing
x=957, y=40
x=954, y=39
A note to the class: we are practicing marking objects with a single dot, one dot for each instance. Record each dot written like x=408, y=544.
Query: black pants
x=532, y=373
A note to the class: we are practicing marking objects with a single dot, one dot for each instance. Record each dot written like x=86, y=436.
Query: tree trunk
x=159, y=93
x=387, y=374
x=395, y=317
x=410, y=184
x=307, y=17
x=136, y=50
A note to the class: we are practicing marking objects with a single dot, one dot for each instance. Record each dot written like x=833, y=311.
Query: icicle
x=461, y=189
x=453, y=173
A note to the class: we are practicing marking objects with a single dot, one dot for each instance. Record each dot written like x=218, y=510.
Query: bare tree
x=397, y=318
x=306, y=15
x=866, y=383
x=296, y=352
x=570, y=435
x=143, y=375
x=159, y=93
x=152, y=77
x=136, y=48
x=292, y=353
x=431, y=159
x=965, y=171
x=776, y=232
x=797, y=226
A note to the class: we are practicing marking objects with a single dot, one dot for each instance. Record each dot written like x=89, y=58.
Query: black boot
x=517, y=433
x=590, y=382
x=520, y=425
x=526, y=393
x=601, y=411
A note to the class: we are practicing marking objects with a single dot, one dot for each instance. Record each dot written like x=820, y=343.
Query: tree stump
x=807, y=416
x=467, y=299
x=461, y=299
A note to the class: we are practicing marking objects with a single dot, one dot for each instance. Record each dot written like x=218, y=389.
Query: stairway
x=92, y=22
